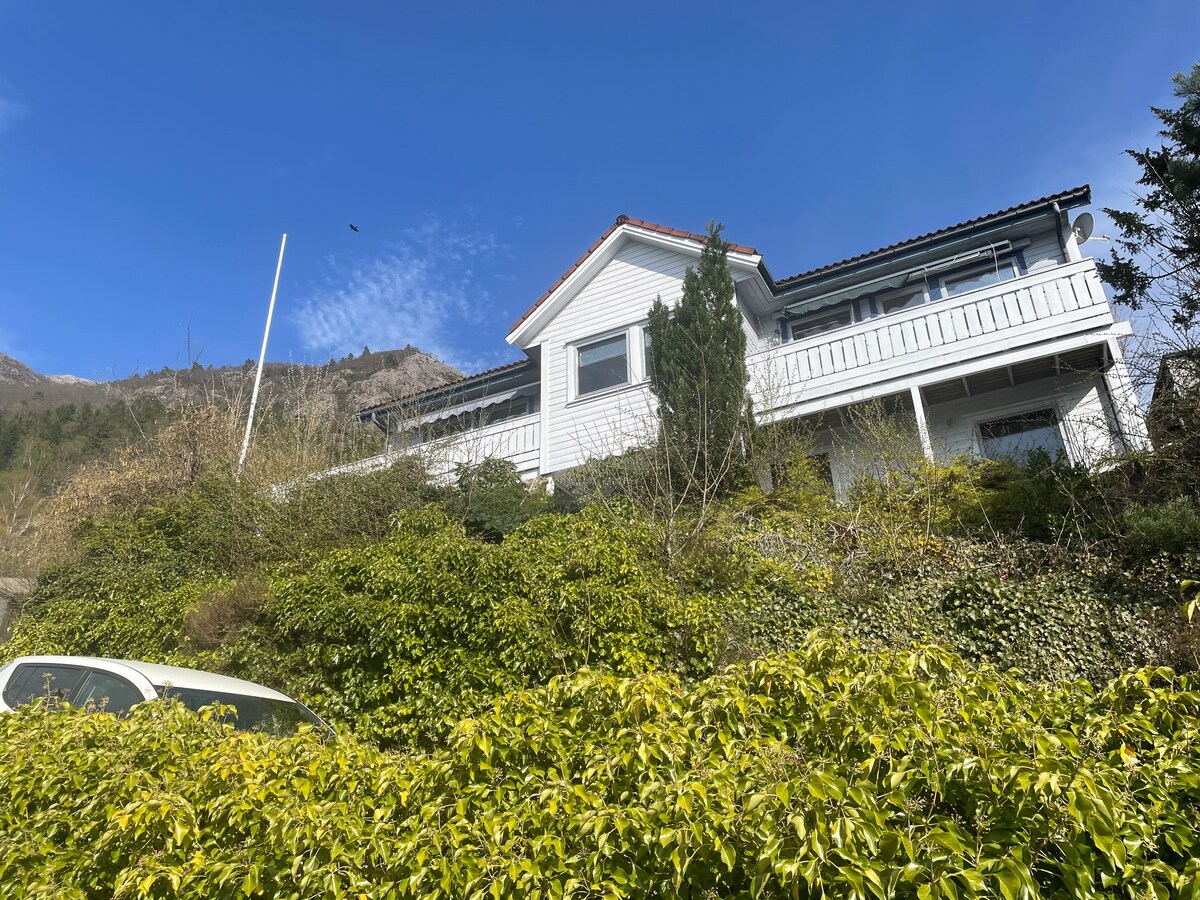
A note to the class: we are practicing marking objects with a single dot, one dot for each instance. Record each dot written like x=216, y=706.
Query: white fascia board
x=741, y=266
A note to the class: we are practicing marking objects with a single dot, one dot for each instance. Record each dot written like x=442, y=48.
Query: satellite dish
x=1082, y=229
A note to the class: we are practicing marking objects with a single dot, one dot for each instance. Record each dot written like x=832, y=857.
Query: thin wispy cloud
x=427, y=290
x=11, y=109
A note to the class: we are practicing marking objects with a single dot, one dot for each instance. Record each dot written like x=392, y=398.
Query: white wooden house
x=992, y=336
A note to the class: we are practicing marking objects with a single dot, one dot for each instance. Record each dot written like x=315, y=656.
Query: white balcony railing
x=1058, y=302
x=516, y=439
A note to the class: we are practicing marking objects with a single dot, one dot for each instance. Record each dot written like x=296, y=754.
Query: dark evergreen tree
x=697, y=361
x=1156, y=260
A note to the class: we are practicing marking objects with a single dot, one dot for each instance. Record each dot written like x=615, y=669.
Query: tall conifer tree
x=698, y=374
x=1156, y=260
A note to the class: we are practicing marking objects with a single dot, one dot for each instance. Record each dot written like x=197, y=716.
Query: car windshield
x=277, y=717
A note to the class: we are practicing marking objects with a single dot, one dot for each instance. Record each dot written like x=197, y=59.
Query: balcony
x=1059, y=308
x=516, y=440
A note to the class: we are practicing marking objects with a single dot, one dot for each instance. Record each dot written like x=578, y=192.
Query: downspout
x=1067, y=245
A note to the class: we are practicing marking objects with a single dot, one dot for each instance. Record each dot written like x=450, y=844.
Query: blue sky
x=152, y=153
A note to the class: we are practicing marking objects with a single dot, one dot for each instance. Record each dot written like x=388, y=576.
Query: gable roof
x=1075, y=197
x=596, y=244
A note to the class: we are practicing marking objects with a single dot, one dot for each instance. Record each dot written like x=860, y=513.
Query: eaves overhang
x=486, y=384
x=895, y=254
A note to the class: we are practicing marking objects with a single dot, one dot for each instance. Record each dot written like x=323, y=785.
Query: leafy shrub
x=828, y=772
x=125, y=595
x=1170, y=527
x=223, y=614
x=1054, y=622
x=400, y=637
x=1051, y=612
x=1044, y=500
x=492, y=500
x=135, y=574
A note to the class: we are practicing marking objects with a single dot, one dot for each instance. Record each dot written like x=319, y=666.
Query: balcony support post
x=922, y=422
x=1124, y=400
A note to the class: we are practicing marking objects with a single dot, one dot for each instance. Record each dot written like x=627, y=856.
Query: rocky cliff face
x=15, y=372
x=342, y=386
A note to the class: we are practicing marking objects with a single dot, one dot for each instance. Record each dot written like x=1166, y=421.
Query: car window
x=33, y=680
x=278, y=717
x=103, y=690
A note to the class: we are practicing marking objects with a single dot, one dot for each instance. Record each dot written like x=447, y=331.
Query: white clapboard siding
x=1080, y=400
x=1043, y=252
x=618, y=296
x=1021, y=312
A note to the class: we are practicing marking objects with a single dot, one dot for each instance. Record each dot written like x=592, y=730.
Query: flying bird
x=354, y=228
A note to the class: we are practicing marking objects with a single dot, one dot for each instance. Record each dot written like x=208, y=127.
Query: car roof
x=175, y=676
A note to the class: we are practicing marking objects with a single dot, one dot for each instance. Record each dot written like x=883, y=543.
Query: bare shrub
x=222, y=616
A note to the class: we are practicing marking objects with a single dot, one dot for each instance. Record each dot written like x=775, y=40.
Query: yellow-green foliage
x=829, y=772
x=125, y=596
x=403, y=636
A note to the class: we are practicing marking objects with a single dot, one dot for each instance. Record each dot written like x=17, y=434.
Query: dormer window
x=991, y=272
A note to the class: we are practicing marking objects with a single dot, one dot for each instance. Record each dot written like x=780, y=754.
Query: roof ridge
x=622, y=219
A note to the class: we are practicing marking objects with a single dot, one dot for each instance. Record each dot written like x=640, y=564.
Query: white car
x=115, y=685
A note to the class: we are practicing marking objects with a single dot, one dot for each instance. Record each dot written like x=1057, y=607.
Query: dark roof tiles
x=1084, y=190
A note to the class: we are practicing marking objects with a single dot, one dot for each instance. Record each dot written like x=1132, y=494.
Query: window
x=1015, y=437
x=278, y=717
x=905, y=298
x=646, y=350
x=107, y=692
x=991, y=272
x=603, y=364
x=33, y=680
x=819, y=324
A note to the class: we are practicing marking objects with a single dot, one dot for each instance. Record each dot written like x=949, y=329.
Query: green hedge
x=826, y=772
x=402, y=638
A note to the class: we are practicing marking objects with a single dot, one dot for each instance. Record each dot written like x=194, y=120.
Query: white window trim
x=1017, y=409
x=903, y=291
x=635, y=374
x=816, y=319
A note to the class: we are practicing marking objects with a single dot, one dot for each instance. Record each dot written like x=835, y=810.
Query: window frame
x=23, y=672
x=991, y=265
x=105, y=673
x=814, y=319
x=577, y=347
x=917, y=289
x=998, y=417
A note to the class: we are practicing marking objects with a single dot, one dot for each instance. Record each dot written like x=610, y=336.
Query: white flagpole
x=262, y=360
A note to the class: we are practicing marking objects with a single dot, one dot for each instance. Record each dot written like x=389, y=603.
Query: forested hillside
x=52, y=425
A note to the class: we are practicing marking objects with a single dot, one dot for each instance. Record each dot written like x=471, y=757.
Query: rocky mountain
x=14, y=371
x=342, y=385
